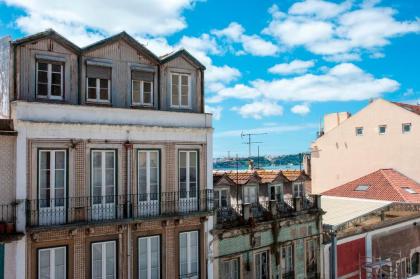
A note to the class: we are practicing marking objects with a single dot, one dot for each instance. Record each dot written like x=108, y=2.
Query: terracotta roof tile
x=383, y=184
x=412, y=108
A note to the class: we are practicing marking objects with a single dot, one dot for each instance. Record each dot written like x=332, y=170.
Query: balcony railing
x=264, y=210
x=7, y=219
x=48, y=212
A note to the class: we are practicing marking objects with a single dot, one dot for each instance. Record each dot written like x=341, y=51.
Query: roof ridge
x=390, y=182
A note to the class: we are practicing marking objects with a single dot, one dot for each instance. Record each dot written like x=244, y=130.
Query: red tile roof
x=383, y=184
x=265, y=176
x=241, y=177
x=412, y=108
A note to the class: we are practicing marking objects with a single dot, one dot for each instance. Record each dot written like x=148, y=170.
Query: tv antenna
x=248, y=137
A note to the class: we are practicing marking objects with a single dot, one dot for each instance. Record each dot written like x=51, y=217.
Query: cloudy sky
x=272, y=66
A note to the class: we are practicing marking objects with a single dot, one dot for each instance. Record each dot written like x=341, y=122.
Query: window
x=103, y=176
x=382, y=129
x=149, y=257
x=52, y=263
x=104, y=260
x=221, y=198
x=276, y=192
x=409, y=190
x=180, y=90
x=359, y=131
x=98, y=84
x=148, y=173
x=188, y=255
x=311, y=258
x=250, y=194
x=142, y=88
x=261, y=265
x=298, y=189
x=406, y=128
x=230, y=269
x=287, y=261
x=52, y=178
x=49, y=79
x=362, y=187
x=188, y=174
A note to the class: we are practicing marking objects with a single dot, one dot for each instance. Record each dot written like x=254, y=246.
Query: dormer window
x=142, y=88
x=180, y=90
x=49, y=79
x=362, y=188
x=98, y=84
x=409, y=190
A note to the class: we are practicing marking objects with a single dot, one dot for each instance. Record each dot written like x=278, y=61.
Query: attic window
x=409, y=190
x=362, y=187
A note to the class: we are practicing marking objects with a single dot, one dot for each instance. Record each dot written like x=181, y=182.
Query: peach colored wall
x=340, y=156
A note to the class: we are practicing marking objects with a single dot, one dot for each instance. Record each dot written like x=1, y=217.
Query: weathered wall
x=5, y=54
x=7, y=169
x=349, y=256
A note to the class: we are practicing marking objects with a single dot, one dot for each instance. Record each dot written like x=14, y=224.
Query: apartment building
x=109, y=159
x=265, y=226
x=382, y=135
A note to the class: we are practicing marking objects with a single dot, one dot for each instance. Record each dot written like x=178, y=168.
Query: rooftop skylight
x=362, y=187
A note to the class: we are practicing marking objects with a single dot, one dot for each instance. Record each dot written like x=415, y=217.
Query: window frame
x=315, y=254
x=246, y=198
x=276, y=186
x=237, y=262
x=362, y=131
x=49, y=83
x=141, y=92
x=103, y=175
x=159, y=164
x=180, y=106
x=267, y=252
x=148, y=238
x=98, y=90
x=104, y=259
x=301, y=189
x=187, y=173
x=52, y=180
x=219, y=198
x=405, y=125
x=53, y=259
x=189, y=262
x=379, y=129
x=289, y=251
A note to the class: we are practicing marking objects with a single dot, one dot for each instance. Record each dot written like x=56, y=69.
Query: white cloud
x=295, y=67
x=319, y=8
x=344, y=82
x=302, y=109
x=258, y=110
x=252, y=44
x=276, y=129
x=74, y=18
x=216, y=111
x=338, y=32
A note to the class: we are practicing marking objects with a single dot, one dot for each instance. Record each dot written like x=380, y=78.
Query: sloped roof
x=122, y=36
x=292, y=175
x=218, y=176
x=339, y=210
x=412, y=108
x=241, y=177
x=172, y=55
x=268, y=176
x=383, y=184
x=49, y=33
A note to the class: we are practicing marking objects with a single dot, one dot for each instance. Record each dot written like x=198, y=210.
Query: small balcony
x=8, y=231
x=100, y=209
x=242, y=214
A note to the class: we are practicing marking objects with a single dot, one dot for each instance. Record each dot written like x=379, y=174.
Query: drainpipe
x=333, y=254
x=128, y=148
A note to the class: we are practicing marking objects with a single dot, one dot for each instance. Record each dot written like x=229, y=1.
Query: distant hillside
x=262, y=161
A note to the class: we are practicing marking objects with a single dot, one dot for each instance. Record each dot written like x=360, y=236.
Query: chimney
x=332, y=120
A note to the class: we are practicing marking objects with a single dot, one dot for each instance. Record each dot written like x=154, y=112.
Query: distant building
x=265, y=226
x=370, y=238
x=382, y=135
x=384, y=184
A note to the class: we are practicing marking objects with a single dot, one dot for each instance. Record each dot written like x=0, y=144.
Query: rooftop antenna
x=249, y=141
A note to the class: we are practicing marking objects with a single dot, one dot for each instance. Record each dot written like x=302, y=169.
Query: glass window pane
x=56, y=78
x=109, y=160
x=103, y=94
x=42, y=89
x=92, y=93
x=56, y=90
x=175, y=95
x=97, y=159
x=92, y=82
x=42, y=66
x=136, y=91
x=184, y=95
x=184, y=80
x=59, y=159
x=44, y=263
x=147, y=87
x=56, y=68
x=42, y=77
x=103, y=84
x=147, y=96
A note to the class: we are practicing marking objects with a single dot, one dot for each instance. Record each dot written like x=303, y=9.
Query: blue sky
x=272, y=66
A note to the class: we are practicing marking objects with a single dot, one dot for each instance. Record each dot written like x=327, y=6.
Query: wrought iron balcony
x=240, y=214
x=72, y=210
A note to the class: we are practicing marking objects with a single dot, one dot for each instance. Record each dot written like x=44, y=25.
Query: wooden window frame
x=98, y=90
x=141, y=92
x=103, y=243
x=52, y=261
x=49, y=96
x=149, y=237
x=180, y=106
